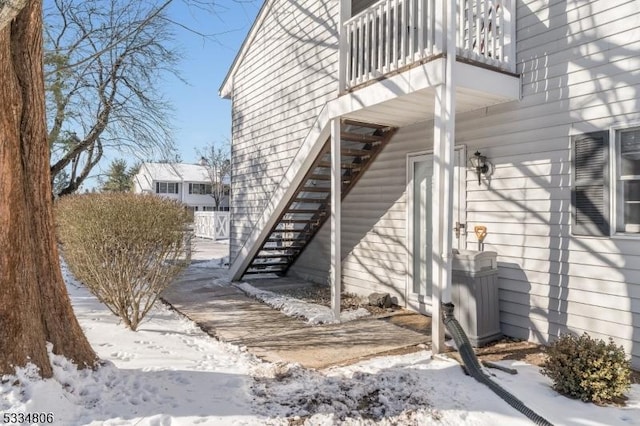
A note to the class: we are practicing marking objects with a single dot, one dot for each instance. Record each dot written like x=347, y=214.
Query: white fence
x=213, y=225
x=392, y=34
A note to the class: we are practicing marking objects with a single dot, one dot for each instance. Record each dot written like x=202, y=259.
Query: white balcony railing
x=486, y=32
x=392, y=34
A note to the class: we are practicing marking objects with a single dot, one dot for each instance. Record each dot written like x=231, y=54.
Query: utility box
x=474, y=293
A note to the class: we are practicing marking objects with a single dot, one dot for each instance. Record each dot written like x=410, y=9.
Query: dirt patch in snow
x=506, y=348
x=321, y=295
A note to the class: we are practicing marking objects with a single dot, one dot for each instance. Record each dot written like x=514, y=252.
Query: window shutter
x=590, y=184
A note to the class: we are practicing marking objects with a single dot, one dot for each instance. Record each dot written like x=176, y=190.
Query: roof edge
x=226, y=88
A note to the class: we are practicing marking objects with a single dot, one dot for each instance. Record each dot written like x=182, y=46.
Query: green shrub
x=588, y=369
x=126, y=248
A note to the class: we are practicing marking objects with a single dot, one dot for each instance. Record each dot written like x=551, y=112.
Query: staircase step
x=288, y=248
x=284, y=240
x=267, y=264
x=319, y=177
x=309, y=200
x=357, y=137
x=285, y=221
x=292, y=247
x=301, y=211
x=356, y=123
x=263, y=271
x=289, y=231
x=351, y=152
x=327, y=164
x=276, y=235
x=272, y=256
x=316, y=189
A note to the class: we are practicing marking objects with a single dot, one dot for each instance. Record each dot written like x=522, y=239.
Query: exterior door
x=420, y=198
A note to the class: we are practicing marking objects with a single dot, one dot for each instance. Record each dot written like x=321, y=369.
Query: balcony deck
x=392, y=36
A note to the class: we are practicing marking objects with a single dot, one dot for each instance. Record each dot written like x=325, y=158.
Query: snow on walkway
x=312, y=313
x=171, y=373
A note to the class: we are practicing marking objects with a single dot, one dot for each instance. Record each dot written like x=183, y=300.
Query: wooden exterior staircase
x=310, y=207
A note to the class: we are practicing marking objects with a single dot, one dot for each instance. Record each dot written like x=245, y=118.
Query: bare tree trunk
x=34, y=305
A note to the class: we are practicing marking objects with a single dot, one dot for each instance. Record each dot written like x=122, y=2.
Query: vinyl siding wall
x=287, y=76
x=580, y=66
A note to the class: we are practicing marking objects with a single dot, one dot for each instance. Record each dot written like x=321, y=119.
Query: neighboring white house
x=382, y=104
x=187, y=183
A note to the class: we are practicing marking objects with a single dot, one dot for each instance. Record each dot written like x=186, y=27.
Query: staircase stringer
x=293, y=177
x=323, y=151
x=345, y=190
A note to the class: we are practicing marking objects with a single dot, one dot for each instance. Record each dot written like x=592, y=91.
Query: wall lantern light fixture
x=479, y=162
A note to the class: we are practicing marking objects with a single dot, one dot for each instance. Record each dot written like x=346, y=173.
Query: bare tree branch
x=132, y=31
x=216, y=157
x=103, y=63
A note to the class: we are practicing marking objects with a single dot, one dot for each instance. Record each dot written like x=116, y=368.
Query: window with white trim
x=590, y=184
x=166, y=187
x=627, y=180
x=200, y=188
x=605, y=191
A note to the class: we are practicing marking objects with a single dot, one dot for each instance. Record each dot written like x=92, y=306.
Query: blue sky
x=201, y=116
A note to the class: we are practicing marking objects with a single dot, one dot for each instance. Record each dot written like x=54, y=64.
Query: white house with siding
x=354, y=122
x=187, y=183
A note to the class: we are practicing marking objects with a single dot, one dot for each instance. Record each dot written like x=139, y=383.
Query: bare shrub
x=126, y=248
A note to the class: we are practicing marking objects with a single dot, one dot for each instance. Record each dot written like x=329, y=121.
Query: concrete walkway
x=205, y=295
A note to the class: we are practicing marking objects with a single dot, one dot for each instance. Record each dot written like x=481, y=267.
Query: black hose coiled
x=475, y=370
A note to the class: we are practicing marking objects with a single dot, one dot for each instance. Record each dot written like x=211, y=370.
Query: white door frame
x=460, y=216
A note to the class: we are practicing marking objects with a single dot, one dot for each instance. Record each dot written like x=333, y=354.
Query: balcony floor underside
x=409, y=97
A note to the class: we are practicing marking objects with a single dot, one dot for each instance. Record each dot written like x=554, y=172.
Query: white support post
x=448, y=151
x=335, y=275
x=421, y=24
x=396, y=32
x=509, y=34
x=388, y=44
x=411, y=53
x=402, y=27
x=380, y=37
x=443, y=172
x=361, y=40
x=345, y=14
x=439, y=27
x=366, y=32
x=430, y=25
x=478, y=25
x=437, y=327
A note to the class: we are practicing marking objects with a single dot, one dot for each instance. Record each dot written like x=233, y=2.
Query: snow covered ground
x=171, y=373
